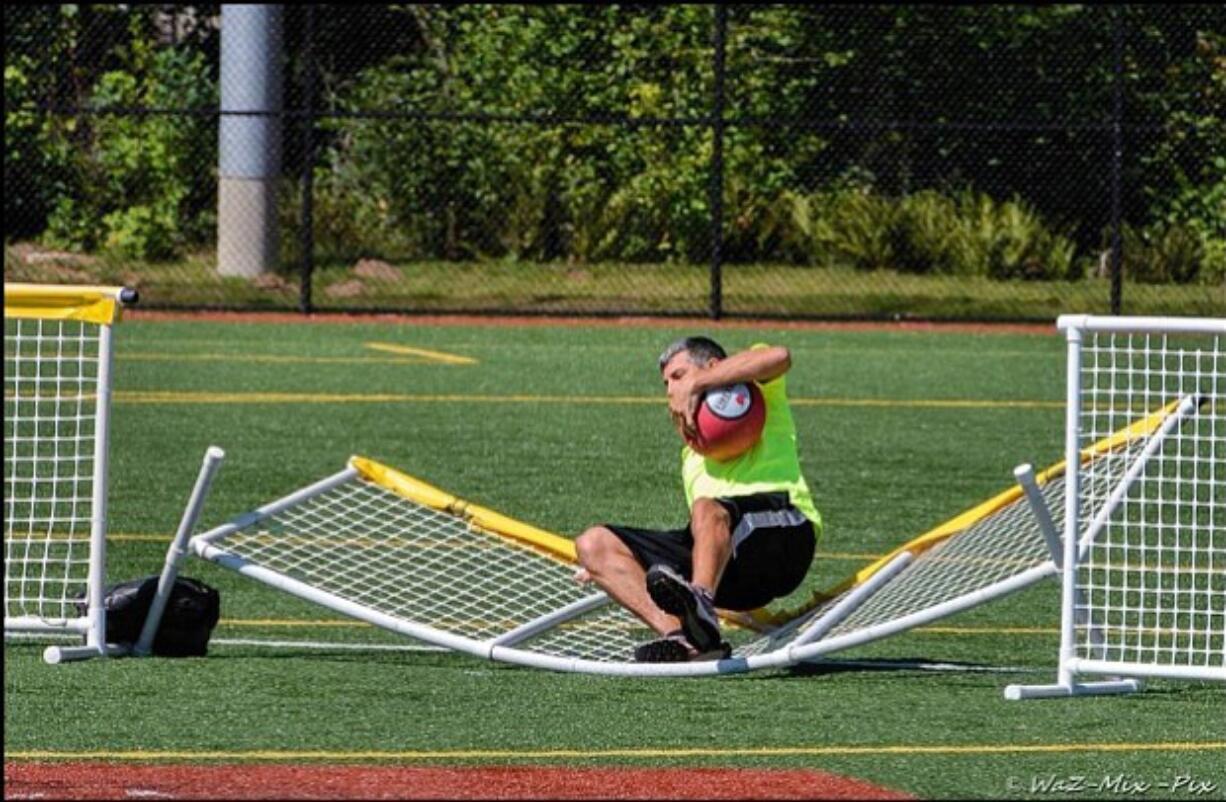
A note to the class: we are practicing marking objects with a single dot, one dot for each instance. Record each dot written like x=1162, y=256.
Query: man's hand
x=687, y=381
x=582, y=577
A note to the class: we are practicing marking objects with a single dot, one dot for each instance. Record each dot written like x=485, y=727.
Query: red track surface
x=96, y=780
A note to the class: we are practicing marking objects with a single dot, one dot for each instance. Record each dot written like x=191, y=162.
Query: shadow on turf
x=824, y=667
x=443, y=657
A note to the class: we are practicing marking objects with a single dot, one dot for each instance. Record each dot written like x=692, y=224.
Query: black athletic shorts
x=772, y=547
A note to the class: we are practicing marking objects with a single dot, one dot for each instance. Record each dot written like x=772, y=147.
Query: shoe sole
x=661, y=651
x=680, y=601
x=721, y=652
x=664, y=651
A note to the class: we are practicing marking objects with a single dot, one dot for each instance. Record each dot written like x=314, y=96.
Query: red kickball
x=730, y=421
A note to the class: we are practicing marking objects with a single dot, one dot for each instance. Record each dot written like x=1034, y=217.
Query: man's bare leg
x=693, y=600
x=710, y=525
x=610, y=564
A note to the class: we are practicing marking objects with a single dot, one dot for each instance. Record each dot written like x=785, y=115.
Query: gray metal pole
x=249, y=139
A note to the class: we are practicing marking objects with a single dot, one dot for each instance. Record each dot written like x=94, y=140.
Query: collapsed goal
x=57, y=388
x=383, y=547
x=1143, y=553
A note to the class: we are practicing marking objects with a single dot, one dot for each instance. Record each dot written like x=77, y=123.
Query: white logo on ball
x=729, y=403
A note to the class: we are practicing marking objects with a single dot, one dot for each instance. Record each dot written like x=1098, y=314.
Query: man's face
x=677, y=368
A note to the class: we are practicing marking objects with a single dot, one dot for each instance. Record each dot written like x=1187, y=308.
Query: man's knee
x=709, y=517
x=595, y=545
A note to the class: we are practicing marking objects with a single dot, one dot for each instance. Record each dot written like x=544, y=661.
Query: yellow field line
x=683, y=752
x=988, y=630
x=416, y=356
x=843, y=555
x=938, y=403
x=178, y=397
x=269, y=358
x=173, y=397
x=433, y=356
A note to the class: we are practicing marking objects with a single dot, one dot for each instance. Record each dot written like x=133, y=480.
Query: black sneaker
x=674, y=648
x=694, y=607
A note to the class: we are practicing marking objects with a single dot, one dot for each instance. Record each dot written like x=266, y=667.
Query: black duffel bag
x=187, y=622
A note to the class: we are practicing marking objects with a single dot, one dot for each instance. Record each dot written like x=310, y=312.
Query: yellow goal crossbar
x=101, y=305
x=482, y=518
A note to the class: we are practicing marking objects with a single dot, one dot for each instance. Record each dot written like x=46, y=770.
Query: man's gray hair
x=701, y=349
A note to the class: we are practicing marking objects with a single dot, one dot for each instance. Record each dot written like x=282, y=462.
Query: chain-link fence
x=990, y=162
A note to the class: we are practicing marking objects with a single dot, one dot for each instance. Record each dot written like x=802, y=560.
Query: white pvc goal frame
x=1143, y=574
x=386, y=548
x=57, y=400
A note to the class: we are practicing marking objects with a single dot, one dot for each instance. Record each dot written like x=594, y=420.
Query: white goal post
x=57, y=389
x=1144, y=553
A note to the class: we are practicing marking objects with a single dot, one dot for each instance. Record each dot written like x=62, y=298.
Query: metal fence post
x=1117, y=157
x=307, y=234
x=717, y=164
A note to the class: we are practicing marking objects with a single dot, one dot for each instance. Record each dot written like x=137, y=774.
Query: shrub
x=139, y=190
x=1010, y=241
x=966, y=234
x=1163, y=254
x=853, y=227
x=1200, y=211
x=930, y=236
x=466, y=190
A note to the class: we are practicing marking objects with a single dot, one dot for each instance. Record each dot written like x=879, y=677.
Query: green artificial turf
x=565, y=427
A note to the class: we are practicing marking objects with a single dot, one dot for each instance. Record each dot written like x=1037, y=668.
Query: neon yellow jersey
x=772, y=465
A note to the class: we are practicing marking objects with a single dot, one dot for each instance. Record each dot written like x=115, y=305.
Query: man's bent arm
x=757, y=364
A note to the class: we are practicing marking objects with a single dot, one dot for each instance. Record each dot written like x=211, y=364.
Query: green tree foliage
x=97, y=160
x=142, y=195
x=932, y=139
x=1181, y=180
x=590, y=190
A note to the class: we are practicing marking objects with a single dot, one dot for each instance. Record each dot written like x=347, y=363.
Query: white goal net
x=1147, y=594
x=57, y=355
x=380, y=546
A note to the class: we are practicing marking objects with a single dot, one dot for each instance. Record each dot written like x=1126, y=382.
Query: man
x=753, y=526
